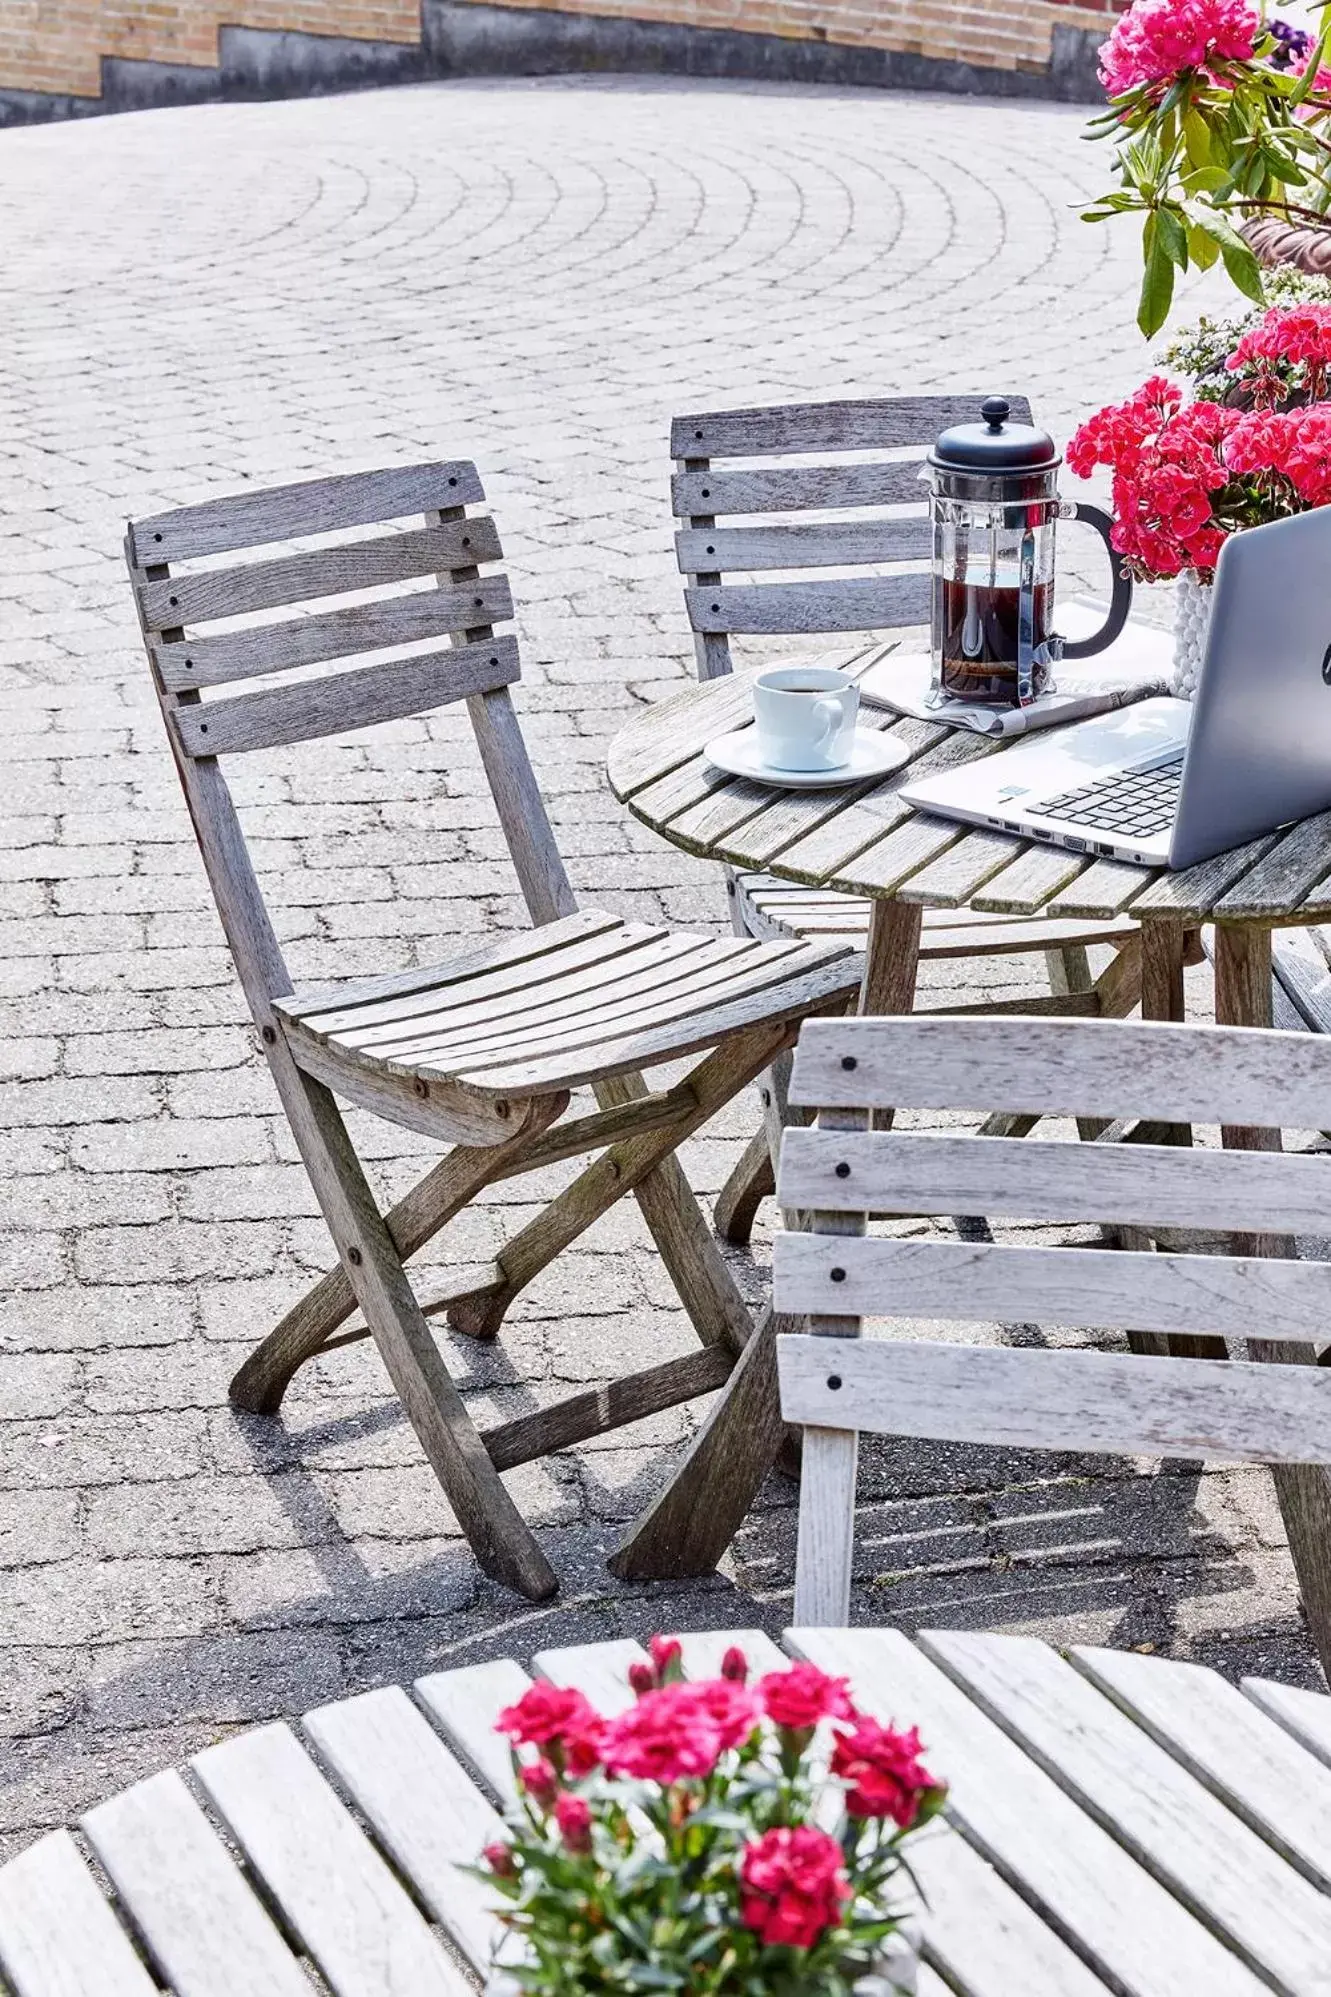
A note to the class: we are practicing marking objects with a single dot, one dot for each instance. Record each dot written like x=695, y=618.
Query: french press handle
x=1119, y=603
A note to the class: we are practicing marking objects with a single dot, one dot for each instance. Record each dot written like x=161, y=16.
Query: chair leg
x=503, y=1542
x=309, y=1325
x=750, y=1183
x=644, y=1165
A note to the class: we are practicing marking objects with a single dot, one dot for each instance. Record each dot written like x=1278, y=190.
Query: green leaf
x=1203, y=248
x=1157, y=281
x=1172, y=236
x=1307, y=82
x=1196, y=137
x=1241, y=266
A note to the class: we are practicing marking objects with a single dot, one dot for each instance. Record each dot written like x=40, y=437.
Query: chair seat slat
x=769, y=608
x=318, y=572
x=1034, y=1179
x=1105, y=1403
x=1208, y=1074
x=360, y=698
x=845, y=544
x=988, y=1282
x=334, y=634
x=312, y=506
x=58, y=1936
x=868, y=425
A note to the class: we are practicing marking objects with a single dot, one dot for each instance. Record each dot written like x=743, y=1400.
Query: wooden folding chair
x=741, y=581
x=1249, y=1081
x=483, y=1049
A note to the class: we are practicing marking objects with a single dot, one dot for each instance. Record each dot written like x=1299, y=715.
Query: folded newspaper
x=1138, y=664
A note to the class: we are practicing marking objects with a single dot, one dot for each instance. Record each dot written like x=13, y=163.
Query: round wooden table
x=1114, y=1822
x=863, y=840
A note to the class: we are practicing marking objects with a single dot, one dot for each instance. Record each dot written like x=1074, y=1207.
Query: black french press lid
x=995, y=444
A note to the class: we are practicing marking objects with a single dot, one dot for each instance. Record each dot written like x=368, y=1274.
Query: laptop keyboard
x=1132, y=801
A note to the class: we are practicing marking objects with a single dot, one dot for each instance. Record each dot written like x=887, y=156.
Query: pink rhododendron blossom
x=1156, y=39
x=793, y=1885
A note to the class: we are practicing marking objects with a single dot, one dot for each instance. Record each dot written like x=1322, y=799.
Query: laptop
x=1167, y=782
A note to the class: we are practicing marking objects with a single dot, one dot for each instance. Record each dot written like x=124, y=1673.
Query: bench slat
x=312, y=506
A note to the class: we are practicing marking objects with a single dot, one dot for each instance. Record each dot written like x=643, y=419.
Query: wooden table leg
x=688, y=1528
x=1243, y=998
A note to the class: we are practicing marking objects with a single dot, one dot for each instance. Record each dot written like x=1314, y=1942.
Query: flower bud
x=575, y=1821
x=642, y=1678
x=540, y=1781
x=668, y=1657
x=735, y=1665
x=500, y=1860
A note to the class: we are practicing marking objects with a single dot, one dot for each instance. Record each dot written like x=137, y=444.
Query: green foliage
x=1198, y=155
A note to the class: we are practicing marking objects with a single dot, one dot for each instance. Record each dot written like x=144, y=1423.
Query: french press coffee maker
x=994, y=506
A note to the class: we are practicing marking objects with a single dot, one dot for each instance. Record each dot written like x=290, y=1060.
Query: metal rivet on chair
x=838, y=1275
x=501, y=1108
x=355, y=1257
x=421, y=1088
x=848, y=1062
x=834, y=1381
x=843, y=1170
x=268, y=1035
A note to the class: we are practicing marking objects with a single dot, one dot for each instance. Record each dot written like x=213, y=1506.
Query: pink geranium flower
x=1156, y=39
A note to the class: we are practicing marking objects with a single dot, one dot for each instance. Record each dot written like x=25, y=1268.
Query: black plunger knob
x=995, y=411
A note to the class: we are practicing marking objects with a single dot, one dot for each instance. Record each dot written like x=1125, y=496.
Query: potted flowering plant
x=1221, y=126
x=682, y=1844
x=1186, y=474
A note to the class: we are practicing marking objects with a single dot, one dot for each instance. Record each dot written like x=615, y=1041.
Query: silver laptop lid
x=1259, y=748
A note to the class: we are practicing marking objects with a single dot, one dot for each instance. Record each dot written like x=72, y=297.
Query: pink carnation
x=793, y=1886
x=803, y=1695
x=883, y=1773
x=677, y=1733
x=1156, y=39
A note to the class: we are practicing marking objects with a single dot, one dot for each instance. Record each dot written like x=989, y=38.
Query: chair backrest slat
x=333, y=634
x=345, y=701
x=986, y=1282
x=1069, y=1067
x=319, y=572
x=1103, y=1403
x=1030, y=1179
x=882, y=602
x=792, y=428
x=716, y=478
x=824, y=545
x=314, y=506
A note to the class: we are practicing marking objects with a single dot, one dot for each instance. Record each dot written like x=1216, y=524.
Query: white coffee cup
x=805, y=717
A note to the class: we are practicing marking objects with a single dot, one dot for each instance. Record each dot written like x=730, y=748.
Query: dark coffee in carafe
x=979, y=631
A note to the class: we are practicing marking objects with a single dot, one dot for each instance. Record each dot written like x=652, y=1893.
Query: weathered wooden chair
x=738, y=583
x=1145, y=1401
x=483, y=1048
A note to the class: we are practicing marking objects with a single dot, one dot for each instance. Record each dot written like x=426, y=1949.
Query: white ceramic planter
x=1192, y=615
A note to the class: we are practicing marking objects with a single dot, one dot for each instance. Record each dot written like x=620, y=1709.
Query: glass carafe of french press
x=994, y=505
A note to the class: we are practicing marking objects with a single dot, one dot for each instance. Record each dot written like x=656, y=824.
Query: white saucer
x=872, y=755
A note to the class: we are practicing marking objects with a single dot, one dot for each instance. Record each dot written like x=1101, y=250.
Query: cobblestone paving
x=536, y=276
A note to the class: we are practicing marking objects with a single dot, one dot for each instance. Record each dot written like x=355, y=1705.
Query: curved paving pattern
x=536, y=275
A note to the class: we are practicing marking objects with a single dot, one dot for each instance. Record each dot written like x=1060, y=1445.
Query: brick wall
x=57, y=46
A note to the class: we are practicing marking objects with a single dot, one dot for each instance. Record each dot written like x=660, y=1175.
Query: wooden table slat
x=1106, y=888
x=1281, y=1791
x=1305, y=1715
x=1129, y=1928
x=1291, y=870
x=425, y=1809
x=952, y=880
x=700, y=826
x=1031, y=881
x=208, y=1932
x=680, y=788
x=884, y=867
x=1184, y=1835
x=58, y=1936
x=823, y=856
x=673, y=731
x=335, y=1890
x=793, y=815
x=1192, y=890
x=465, y=1705
x=601, y=1670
